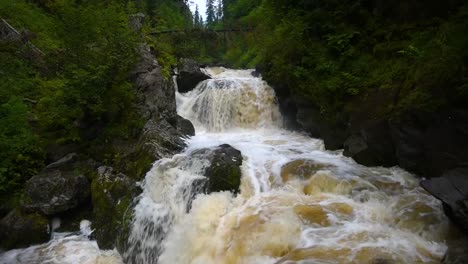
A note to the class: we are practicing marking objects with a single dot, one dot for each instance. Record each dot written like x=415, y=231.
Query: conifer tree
x=210, y=14
x=196, y=21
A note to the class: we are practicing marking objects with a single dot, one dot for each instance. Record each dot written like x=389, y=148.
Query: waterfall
x=298, y=203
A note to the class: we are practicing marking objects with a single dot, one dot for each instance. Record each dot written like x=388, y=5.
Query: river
x=298, y=203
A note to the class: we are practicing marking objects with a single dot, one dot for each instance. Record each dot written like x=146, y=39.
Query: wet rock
x=189, y=75
x=185, y=127
x=431, y=143
x=18, y=229
x=313, y=122
x=302, y=169
x=155, y=93
x=112, y=195
x=60, y=187
x=223, y=173
x=371, y=146
x=452, y=190
x=161, y=139
x=456, y=252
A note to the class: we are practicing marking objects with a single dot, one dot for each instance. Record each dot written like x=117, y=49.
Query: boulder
x=452, y=190
x=161, y=139
x=55, y=190
x=223, y=173
x=189, y=75
x=185, y=127
x=112, y=195
x=18, y=229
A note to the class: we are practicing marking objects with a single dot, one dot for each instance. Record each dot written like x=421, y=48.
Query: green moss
x=18, y=229
x=112, y=196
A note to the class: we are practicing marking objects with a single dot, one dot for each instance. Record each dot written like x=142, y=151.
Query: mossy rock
x=18, y=229
x=112, y=196
x=223, y=173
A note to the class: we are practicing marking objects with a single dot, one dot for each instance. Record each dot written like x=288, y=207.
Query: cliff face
x=426, y=143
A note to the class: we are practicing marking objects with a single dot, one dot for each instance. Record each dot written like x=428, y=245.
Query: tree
x=196, y=19
x=219, y=11
x=210, y=14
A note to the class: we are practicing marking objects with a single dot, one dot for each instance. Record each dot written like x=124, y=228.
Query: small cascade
x=169, y=188
x=225, y=103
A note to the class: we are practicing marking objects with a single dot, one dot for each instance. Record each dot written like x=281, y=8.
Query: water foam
x=298, y=203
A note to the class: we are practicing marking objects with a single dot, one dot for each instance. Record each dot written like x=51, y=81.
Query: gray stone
x=452, y=190
x=18, y=229
x=155, y=93
x=189, y=75
x=55, y=191
x=185, y=127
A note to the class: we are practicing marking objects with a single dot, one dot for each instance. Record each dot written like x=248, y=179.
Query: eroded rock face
x=112, y=195
x=155, y=93
x=223, y=173
x=189, y=75
x=371, y=146
x=161, y=139
x=55, y=190
x=18, y=229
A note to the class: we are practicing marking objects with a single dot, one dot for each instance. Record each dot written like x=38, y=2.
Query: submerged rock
x=112, y=195
x=189, y=75
x=18, y=229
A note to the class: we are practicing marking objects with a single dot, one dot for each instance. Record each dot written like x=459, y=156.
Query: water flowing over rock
x=189, y=75
x=224, y=171
x=290, y=201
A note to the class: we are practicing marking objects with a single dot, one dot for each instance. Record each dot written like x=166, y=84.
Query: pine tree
x=210, y=14
x=196, y=19
x=219, y=11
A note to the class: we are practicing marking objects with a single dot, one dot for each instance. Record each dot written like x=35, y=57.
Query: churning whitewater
x=298, y=203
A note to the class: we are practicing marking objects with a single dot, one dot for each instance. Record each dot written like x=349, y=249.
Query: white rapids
x=298, y=203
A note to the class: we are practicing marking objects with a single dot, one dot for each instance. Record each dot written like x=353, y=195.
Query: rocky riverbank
x=101, y=187
x=431, y=144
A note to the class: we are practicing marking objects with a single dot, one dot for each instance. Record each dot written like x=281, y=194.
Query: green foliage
x=76, y=91
x=21, y=153
x=336, y=53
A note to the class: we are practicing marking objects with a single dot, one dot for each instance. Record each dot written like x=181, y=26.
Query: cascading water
x=298, y=203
